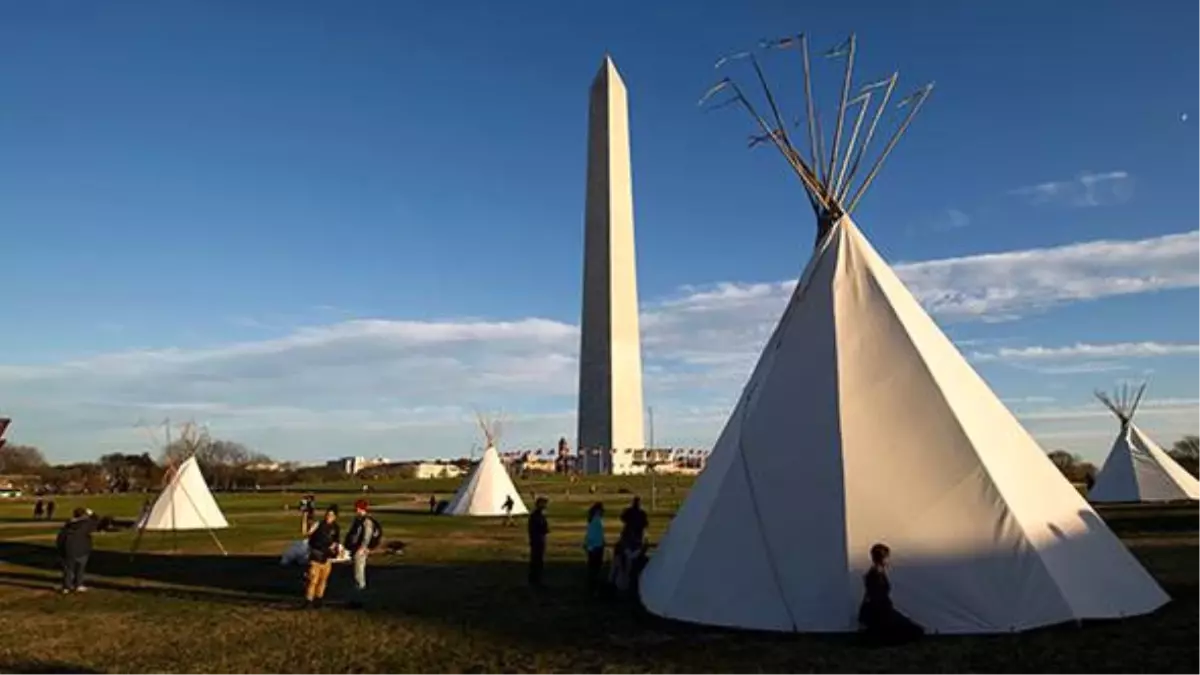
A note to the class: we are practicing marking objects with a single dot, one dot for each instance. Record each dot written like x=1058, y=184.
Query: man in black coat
x=538, y=530
x=74, y=545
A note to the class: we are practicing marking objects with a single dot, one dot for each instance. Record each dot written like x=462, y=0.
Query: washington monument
x=610, y=354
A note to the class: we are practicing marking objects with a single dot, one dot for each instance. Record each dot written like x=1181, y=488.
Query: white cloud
x=1088, y=189
x=1090, y=351
x=407, y=388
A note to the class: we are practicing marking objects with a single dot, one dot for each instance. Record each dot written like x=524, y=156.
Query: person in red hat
x=364, y=536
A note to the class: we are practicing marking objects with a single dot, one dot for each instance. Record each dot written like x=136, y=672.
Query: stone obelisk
x=610, y=354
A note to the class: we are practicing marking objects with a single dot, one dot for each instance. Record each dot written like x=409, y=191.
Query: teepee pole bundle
x=828, y=178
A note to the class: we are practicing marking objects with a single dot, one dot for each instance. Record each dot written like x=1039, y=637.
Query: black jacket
x=322, y=541
x=538, y=528
x=354, y=538
x=75, y=537
x=636, y=521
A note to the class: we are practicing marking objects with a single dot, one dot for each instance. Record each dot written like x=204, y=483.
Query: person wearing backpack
x=364, y=536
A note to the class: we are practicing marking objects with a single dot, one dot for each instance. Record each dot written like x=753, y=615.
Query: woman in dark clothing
x=879, y=619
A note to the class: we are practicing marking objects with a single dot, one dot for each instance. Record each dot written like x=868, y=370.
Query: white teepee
x=185, y=504
x=1137, y=469
x=862, y=423
x=486, y=488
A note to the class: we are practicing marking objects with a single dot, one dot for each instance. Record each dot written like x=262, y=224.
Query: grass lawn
x=457, y=601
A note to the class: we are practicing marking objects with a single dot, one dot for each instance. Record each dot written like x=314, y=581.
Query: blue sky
x=330, y=230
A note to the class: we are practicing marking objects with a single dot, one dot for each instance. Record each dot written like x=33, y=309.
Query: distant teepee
x=488, y=486
x=186, y=502
x=862, y=424
x=1137, y=470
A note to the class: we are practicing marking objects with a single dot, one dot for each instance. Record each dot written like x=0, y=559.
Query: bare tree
x=20, y=459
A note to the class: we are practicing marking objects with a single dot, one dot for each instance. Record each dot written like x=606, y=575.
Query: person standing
x=538, y=530
x=631, y=542
x=364, y=535
x=74, y=544
x=50, y=510
x=508, y=507
x=322, y=549
x=593, y=543
x=38, y=508
x=433, y=503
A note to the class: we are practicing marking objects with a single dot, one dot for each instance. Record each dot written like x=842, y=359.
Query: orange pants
x=318, y=576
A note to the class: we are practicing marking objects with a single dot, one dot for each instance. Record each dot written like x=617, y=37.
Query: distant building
x=352, y=465
x=643, y=460
x=430, y=470
x=534, y=462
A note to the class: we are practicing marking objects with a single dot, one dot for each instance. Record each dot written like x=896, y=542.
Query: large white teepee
x=185, y=504
x=1137, y=470
x=486, y=488
x=862, y=423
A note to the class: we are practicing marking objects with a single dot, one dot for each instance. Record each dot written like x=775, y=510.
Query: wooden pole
x=814, y=125
x=841, y=111
x=887, y=95
x=920, y=100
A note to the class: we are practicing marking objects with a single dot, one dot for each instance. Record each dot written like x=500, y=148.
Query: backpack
x=376, y=535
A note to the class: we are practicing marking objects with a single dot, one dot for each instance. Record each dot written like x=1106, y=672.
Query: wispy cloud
x=1087, y=189
x=406, y=388
x=1117, y=350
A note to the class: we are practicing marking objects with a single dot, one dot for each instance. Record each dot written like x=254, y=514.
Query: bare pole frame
x=921, y=96
x=841, y=111
x=817, y=143
x=887, y=95
x=864, y=102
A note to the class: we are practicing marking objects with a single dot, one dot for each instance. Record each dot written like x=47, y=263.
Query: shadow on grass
x=472, y=596
x=27, y=666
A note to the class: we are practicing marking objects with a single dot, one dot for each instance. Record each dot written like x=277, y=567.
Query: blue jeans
x=73, y=569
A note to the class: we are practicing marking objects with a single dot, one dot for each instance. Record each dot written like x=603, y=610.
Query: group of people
x=43, y=508
x=325, y=546
x=629, y=552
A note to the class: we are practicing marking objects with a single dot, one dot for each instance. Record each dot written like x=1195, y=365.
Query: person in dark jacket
x=538, y=530
x=364, y=535
x=39, y=507
x=50, y=510
x=322, y=549
x=74, y=545
x=634, y=522
x=880, y=621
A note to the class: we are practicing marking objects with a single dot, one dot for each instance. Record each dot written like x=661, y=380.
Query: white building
x=352, y=465
x=431, y=470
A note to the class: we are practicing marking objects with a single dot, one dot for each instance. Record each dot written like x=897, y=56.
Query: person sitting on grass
x=880, y=621
x=363, y=537
x=74, y=545
x=593, y=543
x=322, y=549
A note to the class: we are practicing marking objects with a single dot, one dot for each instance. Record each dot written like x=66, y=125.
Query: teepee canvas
x=1137, y=469
x=862, y=424
x=185, y=504
x=488, y=486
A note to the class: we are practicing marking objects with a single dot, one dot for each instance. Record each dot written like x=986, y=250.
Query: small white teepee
x=862, y=424
x=185, y=504
x=486, y=488
x=1137, y=469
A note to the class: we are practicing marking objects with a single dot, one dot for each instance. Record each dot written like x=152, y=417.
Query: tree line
x=226, y=465
x=229, y=465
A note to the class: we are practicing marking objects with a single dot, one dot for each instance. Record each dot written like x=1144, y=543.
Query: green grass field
x=457, y=601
